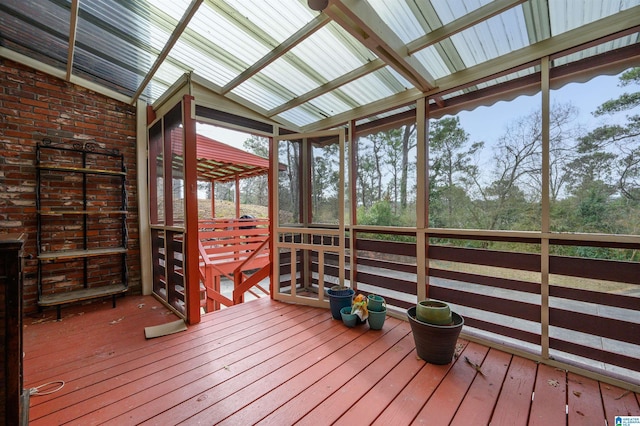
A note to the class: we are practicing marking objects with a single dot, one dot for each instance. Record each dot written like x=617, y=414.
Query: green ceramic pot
x=376, y=303
x=376, y=319
x=433, y=312
x=349, y=319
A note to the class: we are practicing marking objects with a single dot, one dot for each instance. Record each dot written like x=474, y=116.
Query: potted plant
x=355, y=314
x=436, y=340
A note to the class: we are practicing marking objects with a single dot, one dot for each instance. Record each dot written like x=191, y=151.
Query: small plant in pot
x=435, y=330
x=355, y=314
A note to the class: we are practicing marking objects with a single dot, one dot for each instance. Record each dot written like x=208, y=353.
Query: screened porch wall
x=499, y=294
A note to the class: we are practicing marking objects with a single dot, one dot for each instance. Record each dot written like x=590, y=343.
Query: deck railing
x=574, y=311
x=237, y=249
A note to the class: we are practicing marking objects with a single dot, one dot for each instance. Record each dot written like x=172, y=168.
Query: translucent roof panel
x=333, y=103
x=372, y=87
x=489, y=39
x=390, y=113
x=298, y=116
x=566, y=15
x=214, y=30
x=317, y=60
x=450, y=10
x=506, y=78
x=120, y=39
x=400, y=18
x=260, y=94
x=433, y=62
x=596, y=50
x=106, y=71
x=39, y=29
x=331, y=52
x=287, y=79
x=289, y=15
x=303, y=68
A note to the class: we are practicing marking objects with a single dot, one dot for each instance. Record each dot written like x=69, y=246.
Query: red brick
x=35, y=104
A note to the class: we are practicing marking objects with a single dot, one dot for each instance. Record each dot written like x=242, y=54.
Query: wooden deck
x=273, y=363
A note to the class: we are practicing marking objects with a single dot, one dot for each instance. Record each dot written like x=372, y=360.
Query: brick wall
x=34, y=105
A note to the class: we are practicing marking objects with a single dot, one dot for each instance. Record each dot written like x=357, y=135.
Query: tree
x=451, y=168
x=408, y=143
x=383, y=169
x=325, y=181
x=620, y=140
x=255, y=190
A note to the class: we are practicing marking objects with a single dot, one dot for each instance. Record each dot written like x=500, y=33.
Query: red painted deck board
x=485, y=389
x=274, y=363
x=618, y=402
x=443, y=404
x=365, y=375
x=514, y=402
x=584, y=401
x=376, y=400
x=549, y=400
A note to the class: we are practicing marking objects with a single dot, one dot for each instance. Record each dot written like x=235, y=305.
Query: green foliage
x=594, y=177
x=380, y=214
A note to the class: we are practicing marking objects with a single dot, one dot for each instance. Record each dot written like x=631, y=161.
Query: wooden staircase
x=237, y=249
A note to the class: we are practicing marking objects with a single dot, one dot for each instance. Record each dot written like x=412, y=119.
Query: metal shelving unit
x=81, y=206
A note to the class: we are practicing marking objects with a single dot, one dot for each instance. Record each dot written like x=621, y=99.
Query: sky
x=489, y=123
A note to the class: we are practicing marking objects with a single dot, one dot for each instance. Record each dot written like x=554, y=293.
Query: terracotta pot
x=435, y=343
x=433, y=312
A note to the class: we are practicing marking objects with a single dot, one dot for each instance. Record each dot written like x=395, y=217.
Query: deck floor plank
x=584, y=401
x=126, y=377
x=276, y=363
x=282, y=405
x=338, y=403
x=618, y=402
x=224, y=363
x=343, y=361
x=265, y=363
x=514, y=402
x=549, y=406
x=443, y=404
x=481, y=399
x=378, y=398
